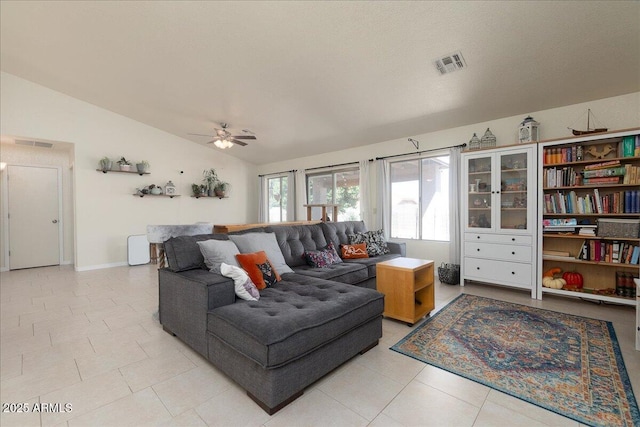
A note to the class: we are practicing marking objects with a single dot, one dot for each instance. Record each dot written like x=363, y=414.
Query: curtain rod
x=276, y=173
x=423, y=151
x=335, y=166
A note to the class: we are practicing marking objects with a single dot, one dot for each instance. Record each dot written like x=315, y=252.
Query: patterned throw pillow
x=375, y=241
x=259, y=269
x=354, y=251
x=244, y=287
x=323, y=258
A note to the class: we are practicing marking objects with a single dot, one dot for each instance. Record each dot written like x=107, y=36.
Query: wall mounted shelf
x=117, y=171
x=210, y=197
x=171, y=196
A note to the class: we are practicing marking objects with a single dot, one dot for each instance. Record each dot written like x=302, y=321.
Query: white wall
x=105, y=211
x=620, y=112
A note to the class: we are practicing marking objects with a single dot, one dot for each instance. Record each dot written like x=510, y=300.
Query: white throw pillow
x=215, y=252
x=245, y=288
x=255, y=242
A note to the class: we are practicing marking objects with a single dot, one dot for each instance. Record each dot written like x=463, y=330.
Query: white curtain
x=263, y=199
x=455, y=235
x=301, y=195
x=365, y=193
x=383, y=219
x=291, y=196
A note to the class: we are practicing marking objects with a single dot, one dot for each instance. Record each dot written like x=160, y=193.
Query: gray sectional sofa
x=302, y=328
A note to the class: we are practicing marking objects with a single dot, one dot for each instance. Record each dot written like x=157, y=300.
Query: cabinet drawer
x=510, y=273
x=498, y=251
x=498, y=238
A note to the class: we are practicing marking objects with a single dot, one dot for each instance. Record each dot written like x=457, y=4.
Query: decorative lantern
x=528, y=130
x=488, y=140
x=169, y=189
x=474, y=143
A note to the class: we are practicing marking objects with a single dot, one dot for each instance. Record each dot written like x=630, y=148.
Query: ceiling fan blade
x=217, y=138
x=235, y=141
x=244, y=137
x=199, y=134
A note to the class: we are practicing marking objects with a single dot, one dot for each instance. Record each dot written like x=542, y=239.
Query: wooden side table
x=408, y=286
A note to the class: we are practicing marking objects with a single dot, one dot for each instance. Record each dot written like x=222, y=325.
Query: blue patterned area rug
x=567, y=364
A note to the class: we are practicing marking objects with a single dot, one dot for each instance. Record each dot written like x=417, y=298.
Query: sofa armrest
x=397, y=248
x=184, y=300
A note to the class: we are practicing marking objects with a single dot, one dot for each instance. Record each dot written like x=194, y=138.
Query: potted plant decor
x=105, y=164
x=221, y=188
x=142, y=166
x=210, y=179
x=195, y=189
x=125, y=165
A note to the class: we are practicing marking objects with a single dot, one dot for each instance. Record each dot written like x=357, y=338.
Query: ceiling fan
x=224, y=139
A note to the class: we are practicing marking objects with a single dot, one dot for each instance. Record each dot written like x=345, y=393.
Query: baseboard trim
x=101, y=266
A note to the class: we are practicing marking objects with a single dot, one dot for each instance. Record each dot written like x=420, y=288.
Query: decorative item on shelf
x=589, y=130
x=170, y=189
x=142, y=166
x=593, y=151
x=221, y=189
x=196, y=189
x=125, y=165
x=474, y=143
x=488, y=140
x=210, y=177
x=528, y=130
x=105, y=164
x=155, y=190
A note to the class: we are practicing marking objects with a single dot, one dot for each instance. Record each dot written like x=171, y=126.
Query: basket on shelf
x=449, y=273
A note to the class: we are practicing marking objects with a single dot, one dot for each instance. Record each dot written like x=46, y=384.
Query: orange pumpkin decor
x=551, y=272
x=574, y=280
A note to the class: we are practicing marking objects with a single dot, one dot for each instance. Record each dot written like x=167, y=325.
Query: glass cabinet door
x=514, y=176
x=479, y=192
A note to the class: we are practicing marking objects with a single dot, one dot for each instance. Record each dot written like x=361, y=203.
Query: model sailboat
x=589, y=129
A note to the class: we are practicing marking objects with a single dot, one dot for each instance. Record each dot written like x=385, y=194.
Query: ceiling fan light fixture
x=223, y=143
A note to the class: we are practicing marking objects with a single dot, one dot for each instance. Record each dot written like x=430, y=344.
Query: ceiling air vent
x=450, y=63
x=34, y=143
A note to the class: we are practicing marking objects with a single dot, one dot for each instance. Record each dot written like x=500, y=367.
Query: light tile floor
x=90, y=339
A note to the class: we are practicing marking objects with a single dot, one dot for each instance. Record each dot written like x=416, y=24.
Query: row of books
x=625, y=286
x=628, y=147
x=609, y=251
x=618, y=202
x=613, y=174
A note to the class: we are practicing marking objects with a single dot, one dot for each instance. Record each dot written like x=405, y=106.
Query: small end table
x=408, y=286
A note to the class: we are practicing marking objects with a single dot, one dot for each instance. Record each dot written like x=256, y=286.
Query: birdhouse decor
x=528, y=130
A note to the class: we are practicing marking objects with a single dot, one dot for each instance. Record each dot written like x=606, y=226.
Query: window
x=340, y=187
x=277, y=187
x=420, y=198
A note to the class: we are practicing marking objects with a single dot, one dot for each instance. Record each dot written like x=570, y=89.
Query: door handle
x=55, y=221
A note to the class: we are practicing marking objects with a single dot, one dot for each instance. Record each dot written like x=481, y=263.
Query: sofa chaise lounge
x=300, y=329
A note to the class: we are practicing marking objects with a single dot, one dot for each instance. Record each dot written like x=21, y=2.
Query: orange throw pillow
x=354, y=251
x=259, y=269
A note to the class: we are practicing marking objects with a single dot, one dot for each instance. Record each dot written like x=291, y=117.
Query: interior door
x=34, y=230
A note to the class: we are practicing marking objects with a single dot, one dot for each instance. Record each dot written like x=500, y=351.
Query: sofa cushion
x=184, y=254
x=259, y=268
x=244, y=286
x=323, y=257
x=359, y=250
x=215, y=252
x=295, y=240
x=255, y=242
x=375, y=241
x=344, y=273
x=370, y=263
x=293, y=318
x=337, y=232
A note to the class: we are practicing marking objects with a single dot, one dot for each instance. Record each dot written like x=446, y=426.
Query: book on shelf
x=556, y=253
x=597, y=173
x=602, y=165
x=614, y=252
x=628, y=145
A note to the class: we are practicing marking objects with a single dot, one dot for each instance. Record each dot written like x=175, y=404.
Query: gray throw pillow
x=216, y=252
x=255, y=242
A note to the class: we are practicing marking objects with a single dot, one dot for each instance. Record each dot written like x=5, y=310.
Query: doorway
x=34, y=216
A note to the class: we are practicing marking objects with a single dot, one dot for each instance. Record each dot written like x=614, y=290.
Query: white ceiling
x=314, y=77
